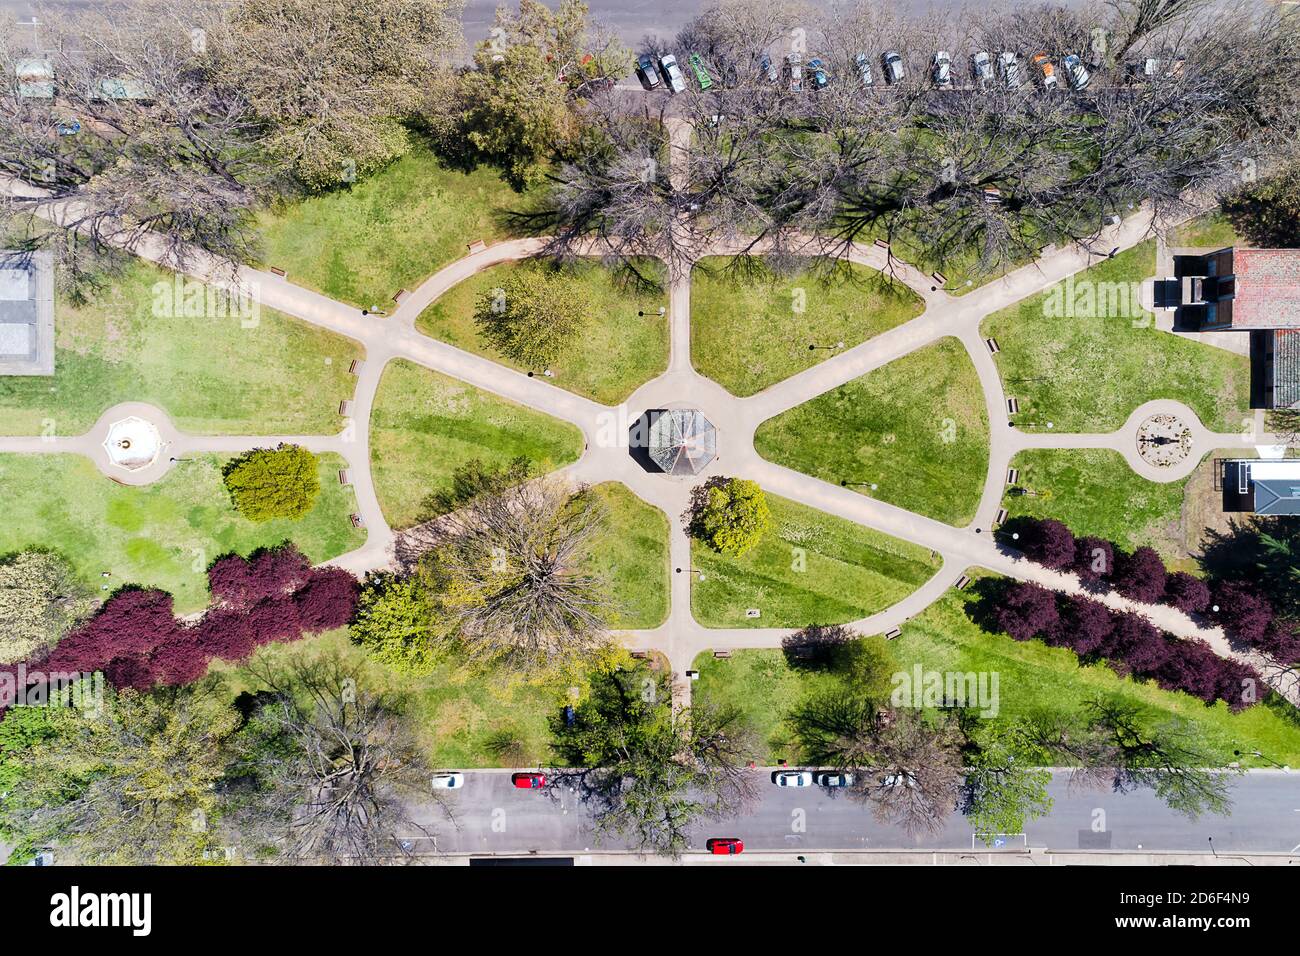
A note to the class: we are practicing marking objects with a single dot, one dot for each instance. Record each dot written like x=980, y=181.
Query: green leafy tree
x=41, y=599
x=397, y=622
x=135, y=784
x=516, y=107
x=269, y=483
x=533, y=316
x=648, y=772
x=1268, y=212
x=731, y=515
x=1003, y=791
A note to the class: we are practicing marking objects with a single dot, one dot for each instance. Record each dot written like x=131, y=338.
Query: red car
x=725, y=846
x=528, y=781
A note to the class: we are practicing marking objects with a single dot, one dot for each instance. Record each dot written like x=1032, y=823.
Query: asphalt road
x=493, y=817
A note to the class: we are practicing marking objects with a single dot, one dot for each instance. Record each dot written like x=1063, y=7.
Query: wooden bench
x=992, y=345
x=345, y=407
x=345, y=477
x=1001, y=516
x=1013, y=406
x=940, y=278
x=721, y=655
x=882, y=244
x=356, y=366
x=278, y=272
x=357, y=520
x=893, y=632
x=478, y=245
x=1013, y=475
x=402, y=296
x=962, y=582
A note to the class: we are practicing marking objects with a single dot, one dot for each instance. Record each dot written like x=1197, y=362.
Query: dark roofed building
x=1262, y=486
x=681, y=441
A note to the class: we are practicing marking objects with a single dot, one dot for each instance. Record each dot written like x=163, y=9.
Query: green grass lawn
x=1213, y=229
x=1088, y=372
x=811, y=568
x=425, y=425
x=632, y=553
x=1031, y=676
x=211, y=375
x=390, y=231
x=462, y=715
x=618, y=352
x=1095, y=492
x=161, y=535
x=748, y=335
x=916, y=427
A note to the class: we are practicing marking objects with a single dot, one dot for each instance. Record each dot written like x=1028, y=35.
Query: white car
x=981, y=67
x=904, y=779
x=942, y=70
x=672, y=73
x=864, y=70
x=893, y=64
x=834, y=778
x=448, y=781
x=1010, y=70
x=792, y=778
x=1077, y=72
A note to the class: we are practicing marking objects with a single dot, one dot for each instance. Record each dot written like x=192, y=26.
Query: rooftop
x=1267, y=289
x=26, y=313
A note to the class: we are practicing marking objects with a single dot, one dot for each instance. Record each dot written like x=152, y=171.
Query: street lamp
x=828, y=348
x=1048, y=425
x=1256, y=753
x=691, y=571
x=661, y=312
x=844, y=483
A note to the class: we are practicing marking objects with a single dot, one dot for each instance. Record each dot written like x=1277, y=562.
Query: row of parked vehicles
x=985, y=71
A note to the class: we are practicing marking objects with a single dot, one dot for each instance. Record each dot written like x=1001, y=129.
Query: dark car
x=646, y=72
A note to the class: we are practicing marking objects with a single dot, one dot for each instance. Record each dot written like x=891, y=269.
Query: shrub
x=1187, y=592
x=1027, y=611
x=1140, y=576
x=268, y=483
x=1047, y=542
x=241, y=582
x=328, y=600
x=733, y=516
x=1094, y=559
x=1242, y=611
x=1086, y=625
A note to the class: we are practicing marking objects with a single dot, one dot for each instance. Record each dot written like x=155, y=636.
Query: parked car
x=904, y=779
x=701, y=74
x=893, y=63
x=646, y=72
x=1044, y=64
x=834, y=778
x=941, y=70
x=528, y=780
x=672, y=73
x=1010, y=70
x=792, y=778
x=819, y=76
x=768, y=68
x=864, y=69
x=981, y=68
x=725, y=846
x=1076, y=72
x=448, y=781
x=794, y=64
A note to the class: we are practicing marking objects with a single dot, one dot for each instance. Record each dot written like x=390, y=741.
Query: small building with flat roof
x=26, y=313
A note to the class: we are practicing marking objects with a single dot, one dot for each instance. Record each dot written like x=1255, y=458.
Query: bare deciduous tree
x=330, y=769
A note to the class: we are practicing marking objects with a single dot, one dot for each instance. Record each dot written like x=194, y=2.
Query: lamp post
x=1256, y=753
x=828, y=348
x=691, y=571
x=845, y=483
x=662, y=311
x=1048, y=425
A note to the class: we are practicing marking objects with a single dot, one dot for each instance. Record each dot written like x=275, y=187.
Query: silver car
x=864, y=69
x=448, y=781
x=834, y=778
x=981, y=68
x=893, y=63
x=941, y=69
x=794, y=63
x=1010, y=69
x=672, y=73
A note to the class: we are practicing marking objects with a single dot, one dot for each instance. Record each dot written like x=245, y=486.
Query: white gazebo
x=133, y=443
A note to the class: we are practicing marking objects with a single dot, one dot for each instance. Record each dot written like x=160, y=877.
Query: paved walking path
x=681, y=638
